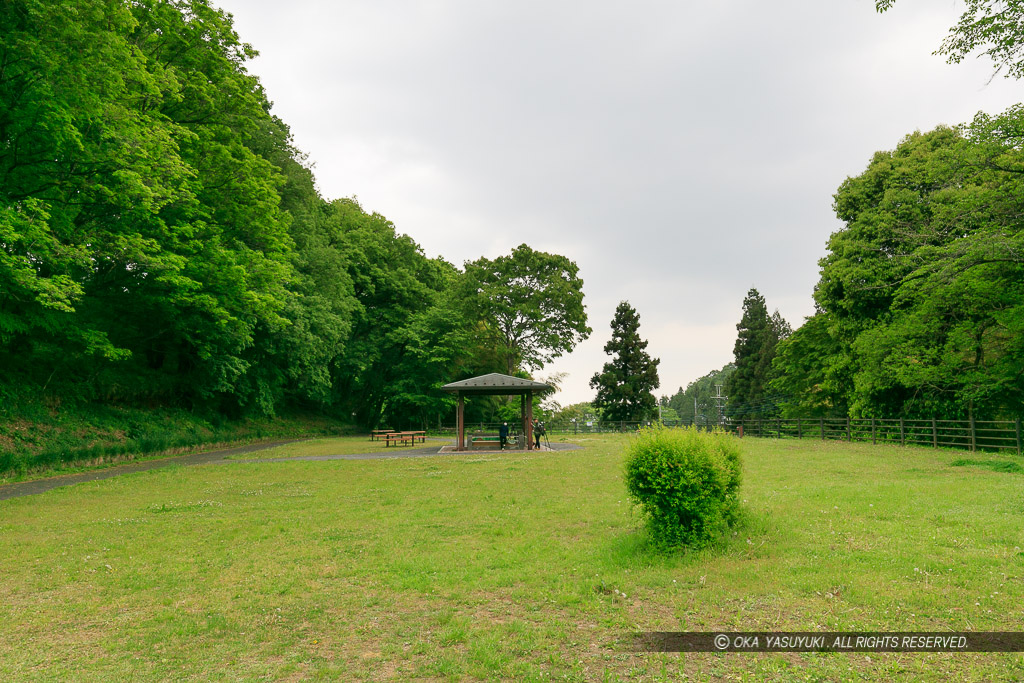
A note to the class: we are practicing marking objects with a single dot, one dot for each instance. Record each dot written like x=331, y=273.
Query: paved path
x=221, y=457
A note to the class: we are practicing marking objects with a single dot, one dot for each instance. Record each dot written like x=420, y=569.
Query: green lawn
x=344, y=445
x=504, y=566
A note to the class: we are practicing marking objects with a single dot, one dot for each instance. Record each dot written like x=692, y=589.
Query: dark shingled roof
x=496, y=383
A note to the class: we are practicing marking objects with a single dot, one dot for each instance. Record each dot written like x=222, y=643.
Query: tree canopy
x=162, y=241
x=995, y=27
x=529, y=304
x=921, y=295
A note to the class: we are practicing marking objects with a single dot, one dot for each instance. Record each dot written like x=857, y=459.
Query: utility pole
x=719, y=401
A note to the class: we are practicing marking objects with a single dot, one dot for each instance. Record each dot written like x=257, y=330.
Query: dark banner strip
x=846, y=641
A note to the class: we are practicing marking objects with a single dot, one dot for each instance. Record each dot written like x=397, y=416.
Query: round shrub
x=687, y=483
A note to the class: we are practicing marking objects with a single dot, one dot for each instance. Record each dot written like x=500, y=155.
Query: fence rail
x=973, y=435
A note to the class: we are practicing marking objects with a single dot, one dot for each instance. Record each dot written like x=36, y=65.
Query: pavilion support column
x=529, y=421
x=460, y=424
x=522, y=418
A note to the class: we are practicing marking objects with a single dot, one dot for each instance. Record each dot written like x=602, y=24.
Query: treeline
x=698, y=402
x=163, y=243
x=921, y=297
x=920, y=304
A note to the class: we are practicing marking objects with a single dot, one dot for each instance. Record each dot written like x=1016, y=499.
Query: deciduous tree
x=529, y=305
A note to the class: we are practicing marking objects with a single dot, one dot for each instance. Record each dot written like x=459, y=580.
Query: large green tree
x=920, y=298
x=625, y=385
x=529, y=305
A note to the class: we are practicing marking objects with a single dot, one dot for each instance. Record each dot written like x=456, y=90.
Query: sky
x=679, y=153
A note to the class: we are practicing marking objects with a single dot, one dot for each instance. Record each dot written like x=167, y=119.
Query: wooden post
x=935, y=433
x=974, y=439
x=460, y=424
x=873, y=430
x=822, y=428
x=903, y=438
x=528, y=402
x=849, y=432
x=799, y=429
x=1018, y=437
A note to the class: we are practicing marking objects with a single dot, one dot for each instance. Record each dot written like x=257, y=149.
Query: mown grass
x=505, y=566
x=348, y=445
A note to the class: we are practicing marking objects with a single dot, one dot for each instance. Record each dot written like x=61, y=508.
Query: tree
x=758, y=336
x=625, y=385
x=995, y=27
x=529, y=305
x=920, y=300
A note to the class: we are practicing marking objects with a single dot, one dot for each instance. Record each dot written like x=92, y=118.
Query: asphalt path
x=221, y=457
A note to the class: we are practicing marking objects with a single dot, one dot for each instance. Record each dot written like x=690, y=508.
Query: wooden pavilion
x=496, y=384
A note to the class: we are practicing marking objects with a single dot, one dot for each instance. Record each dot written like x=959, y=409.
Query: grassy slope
x=515, y=566
x=37, y=441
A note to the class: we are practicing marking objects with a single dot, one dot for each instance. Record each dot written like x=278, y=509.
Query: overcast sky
x=679, y=152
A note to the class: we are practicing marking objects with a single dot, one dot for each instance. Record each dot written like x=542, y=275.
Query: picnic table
x=403, y=437
x=376, y=434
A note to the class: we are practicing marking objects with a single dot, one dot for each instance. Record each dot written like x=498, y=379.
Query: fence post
x=778, y=426
x=799, y=429
x=872, y=431
x=759, y=431
x=1018, y=437
x=822, y=428
x=849, y=432
x=903, y=441
x=935, y=434
x=974, y=441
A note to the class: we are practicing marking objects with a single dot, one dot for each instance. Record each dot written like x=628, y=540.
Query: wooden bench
x=422, y=436
x=487, y=440
x=376, y=434
x=403, y=437
x=398, y=438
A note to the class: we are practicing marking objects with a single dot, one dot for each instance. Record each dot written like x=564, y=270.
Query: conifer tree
x=756, y=342
x=625, y=385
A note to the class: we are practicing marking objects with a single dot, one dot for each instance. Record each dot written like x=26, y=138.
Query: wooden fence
x=988, y=435
x=973, y=435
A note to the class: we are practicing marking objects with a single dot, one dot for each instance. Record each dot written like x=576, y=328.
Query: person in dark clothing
x=503, y=434
x=538, y=431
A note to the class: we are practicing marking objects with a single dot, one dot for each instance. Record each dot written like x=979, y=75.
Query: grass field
x=505, y=566
x=344, y=445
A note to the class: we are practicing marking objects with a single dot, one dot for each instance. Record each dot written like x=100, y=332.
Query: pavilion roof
x=496, y=383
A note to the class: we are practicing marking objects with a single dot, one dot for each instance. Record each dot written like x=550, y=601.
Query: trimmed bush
x=687, y=483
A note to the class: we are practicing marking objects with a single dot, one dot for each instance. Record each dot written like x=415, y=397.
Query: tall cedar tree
x=758, y=336
x=625, y=385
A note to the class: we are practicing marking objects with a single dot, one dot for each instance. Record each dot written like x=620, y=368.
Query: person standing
x=538, y=431
x=503, y=434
